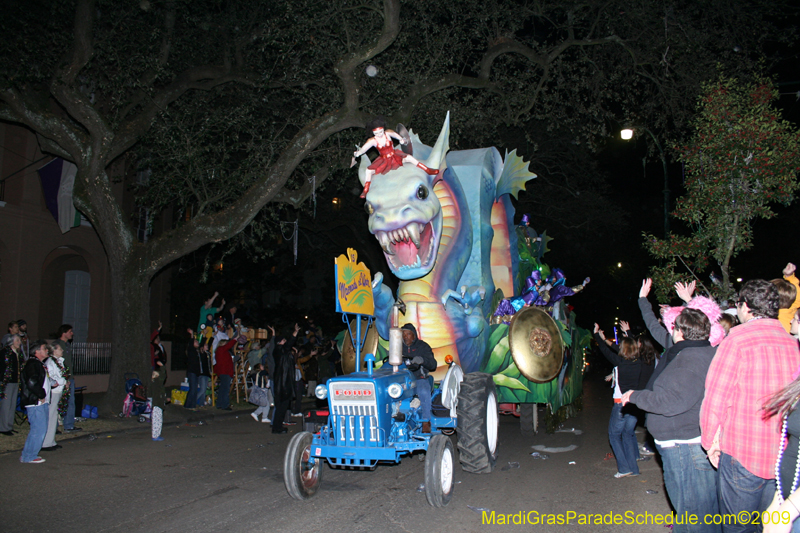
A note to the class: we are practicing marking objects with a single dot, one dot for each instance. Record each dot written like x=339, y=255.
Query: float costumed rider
x=530, y=294
x=418, y=358
x=390, y=158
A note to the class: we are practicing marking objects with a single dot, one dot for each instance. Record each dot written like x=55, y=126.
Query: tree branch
x=166, y=47
x=221, y=225
x=52, y=147
x=202, y=78
x=82, y=49
x=345, y=67
x=59, y=131
x=297, y=197
x=63, y=86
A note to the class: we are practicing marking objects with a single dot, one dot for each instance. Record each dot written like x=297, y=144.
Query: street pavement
x=226, y=476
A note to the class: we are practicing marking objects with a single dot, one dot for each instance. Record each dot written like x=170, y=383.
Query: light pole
x=626, y=135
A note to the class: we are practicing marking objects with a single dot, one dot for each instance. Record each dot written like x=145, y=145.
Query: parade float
x=376, y=416
x=472, y=282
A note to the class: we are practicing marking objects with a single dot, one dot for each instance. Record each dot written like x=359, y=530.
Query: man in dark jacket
x=419, y=359
x=283, y=379
x=35, y=396
x=192, y=370
x=229, y=317
x=673, y=418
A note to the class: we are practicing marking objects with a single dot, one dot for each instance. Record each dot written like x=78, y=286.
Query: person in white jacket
x=55, y=371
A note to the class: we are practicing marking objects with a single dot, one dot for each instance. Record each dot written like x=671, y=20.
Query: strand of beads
x=784, y=443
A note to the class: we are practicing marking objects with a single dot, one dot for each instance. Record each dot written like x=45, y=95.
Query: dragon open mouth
x=411, y=246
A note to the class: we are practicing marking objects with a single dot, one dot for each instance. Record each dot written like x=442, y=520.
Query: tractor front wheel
x=302, y=472
x=439, y=461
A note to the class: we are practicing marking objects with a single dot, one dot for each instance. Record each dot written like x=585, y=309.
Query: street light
x=626, y=135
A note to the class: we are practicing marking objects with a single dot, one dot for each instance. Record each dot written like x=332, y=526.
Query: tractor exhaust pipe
x=396, y=335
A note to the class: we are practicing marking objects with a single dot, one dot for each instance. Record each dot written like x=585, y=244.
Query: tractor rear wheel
x=477, y=423
x=528, y=418
x=439, y=463
x=302, y=473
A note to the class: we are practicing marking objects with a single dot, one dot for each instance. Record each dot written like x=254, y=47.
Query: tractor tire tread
x=474, y=454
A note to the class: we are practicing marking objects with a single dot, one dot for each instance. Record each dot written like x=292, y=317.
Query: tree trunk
x=130, y=334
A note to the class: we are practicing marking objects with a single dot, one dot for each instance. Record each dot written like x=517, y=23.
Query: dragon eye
x=368, y=208
x=422, y=192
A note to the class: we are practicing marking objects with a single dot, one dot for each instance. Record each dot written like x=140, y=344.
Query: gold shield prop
x=534, y=339
x=349, y=351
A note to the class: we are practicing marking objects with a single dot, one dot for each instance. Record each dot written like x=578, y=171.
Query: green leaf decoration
x=497, y=357
x=566, y=336
x=496, y=299
x=511, y=371
x=512, y=383
x=498, y=331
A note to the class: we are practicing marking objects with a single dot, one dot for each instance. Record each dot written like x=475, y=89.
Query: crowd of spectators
x=37, y=376
x=288, y=363
x=719, y=401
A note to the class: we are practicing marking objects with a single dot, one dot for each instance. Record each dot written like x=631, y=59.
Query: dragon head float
x=404, y=213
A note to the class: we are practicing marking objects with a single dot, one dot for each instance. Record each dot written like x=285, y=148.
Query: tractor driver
x=418, y=358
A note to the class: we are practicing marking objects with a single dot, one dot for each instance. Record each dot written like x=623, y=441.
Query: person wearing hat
x=528, y=242
x=418, y=358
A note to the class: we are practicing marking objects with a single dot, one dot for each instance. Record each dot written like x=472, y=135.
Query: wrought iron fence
x=91, y=358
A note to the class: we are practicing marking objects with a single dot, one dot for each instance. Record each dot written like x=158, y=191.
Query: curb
x=208, y=415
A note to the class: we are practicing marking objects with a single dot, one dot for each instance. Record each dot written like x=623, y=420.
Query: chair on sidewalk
x=242, y=370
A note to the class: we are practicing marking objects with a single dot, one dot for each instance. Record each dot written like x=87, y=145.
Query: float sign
x=353, y=285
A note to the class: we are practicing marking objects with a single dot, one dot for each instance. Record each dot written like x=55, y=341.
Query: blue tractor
x=374, y=417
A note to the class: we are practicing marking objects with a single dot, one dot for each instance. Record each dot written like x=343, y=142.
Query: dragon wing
x=514, y=176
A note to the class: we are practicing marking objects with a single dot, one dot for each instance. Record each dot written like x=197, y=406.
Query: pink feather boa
x=708, y=306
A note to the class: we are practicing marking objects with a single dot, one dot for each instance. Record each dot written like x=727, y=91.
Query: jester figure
x=390, y=158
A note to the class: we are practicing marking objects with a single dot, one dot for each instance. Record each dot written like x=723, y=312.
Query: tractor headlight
x=395, y=390
x=321, y=392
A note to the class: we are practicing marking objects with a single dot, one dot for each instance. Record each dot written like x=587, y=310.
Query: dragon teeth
x=386, y=244
x=412, y=230
x=388, y=239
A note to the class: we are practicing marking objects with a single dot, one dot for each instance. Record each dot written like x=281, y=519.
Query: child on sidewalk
x=262, y=381
x=159, y=395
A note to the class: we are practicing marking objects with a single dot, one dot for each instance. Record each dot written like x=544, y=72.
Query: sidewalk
x=174, y=415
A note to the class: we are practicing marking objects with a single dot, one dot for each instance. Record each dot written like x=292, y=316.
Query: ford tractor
x=374, y=417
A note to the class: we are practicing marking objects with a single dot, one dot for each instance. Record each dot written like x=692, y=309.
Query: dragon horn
x=436, y=159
